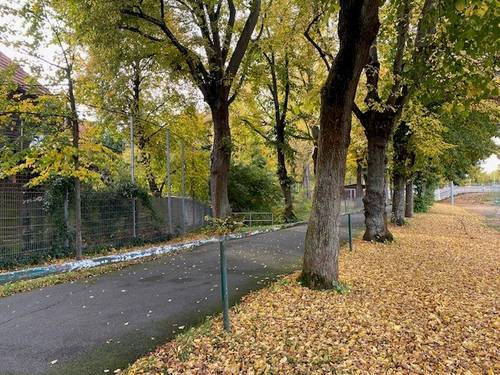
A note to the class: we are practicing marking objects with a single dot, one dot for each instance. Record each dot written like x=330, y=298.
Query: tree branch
x=372, y=71
x=142, y=33
x=242, y=44
x=258, y=131
x=359, y=114
x=198, y=71
x=229, y=30
x=287, y=90
x=308, y=36
x=402, y=27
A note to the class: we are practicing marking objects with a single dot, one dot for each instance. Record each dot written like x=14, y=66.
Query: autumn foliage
x=425, y=304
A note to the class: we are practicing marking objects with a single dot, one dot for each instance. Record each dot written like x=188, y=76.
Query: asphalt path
x=103, y=323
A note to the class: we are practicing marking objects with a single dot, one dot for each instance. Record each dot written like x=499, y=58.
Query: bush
x=424, y=197
x=221, y=226
x=252, y=187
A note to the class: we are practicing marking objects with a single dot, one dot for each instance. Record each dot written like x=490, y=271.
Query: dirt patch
x=484, y=204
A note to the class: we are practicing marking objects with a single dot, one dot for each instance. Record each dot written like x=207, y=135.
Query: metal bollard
x=350, y=230
x=224, y=291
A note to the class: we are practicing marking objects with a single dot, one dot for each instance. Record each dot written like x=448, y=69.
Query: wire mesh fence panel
x=26, y=231
x=35, y=225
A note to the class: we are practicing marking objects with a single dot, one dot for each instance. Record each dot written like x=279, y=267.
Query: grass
x=425, y=304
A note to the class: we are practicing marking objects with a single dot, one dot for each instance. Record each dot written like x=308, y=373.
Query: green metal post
x=223, y=278
x=350, y=231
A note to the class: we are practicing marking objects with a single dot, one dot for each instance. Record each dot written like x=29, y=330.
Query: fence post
x=66, y=219
x=250, y=219
x=223, y=279
x=169, y=183
x=272, y=218
x=350, y=230
x=132, y=173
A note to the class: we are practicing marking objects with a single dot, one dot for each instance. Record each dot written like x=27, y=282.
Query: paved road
x=104, y=323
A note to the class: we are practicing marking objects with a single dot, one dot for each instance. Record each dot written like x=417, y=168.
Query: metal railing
x=254, y=218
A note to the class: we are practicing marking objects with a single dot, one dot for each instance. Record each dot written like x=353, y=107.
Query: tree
x=470, y=131
x=40, y=16
x=357, y=28
x=402, y=156
x=378, y=121
x=433, y=57
x=356, y=161
x=279, y=81
x=214, y=73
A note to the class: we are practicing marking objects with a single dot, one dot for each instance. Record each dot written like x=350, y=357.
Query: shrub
x=252, y=187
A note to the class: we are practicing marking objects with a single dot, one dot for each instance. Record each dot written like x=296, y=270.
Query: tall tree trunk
x=284, y=180
x=285, y=184
x=358, y=25
x=409, y=199
x=359, y=180
x=220, y=159
x=375, y=197
x=398, y=199
x=401, y=160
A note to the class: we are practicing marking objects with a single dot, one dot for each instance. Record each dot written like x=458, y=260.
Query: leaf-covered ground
x=425, y=304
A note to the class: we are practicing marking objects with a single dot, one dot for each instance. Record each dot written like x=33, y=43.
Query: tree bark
x=220, y=159
x=401, y=169
x=284, y=180
x=357, y=28
x=398, y=199
x=375, y=196
x=409, y=199
x=285, y=184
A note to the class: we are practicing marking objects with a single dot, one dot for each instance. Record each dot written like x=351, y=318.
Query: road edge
x=53, y=269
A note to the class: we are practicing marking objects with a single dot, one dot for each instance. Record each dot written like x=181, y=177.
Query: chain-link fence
x=35, y=225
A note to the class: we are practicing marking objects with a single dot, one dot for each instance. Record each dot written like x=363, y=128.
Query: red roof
x=19, y=76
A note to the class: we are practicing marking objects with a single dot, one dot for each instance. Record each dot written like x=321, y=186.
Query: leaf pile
x=427, y=303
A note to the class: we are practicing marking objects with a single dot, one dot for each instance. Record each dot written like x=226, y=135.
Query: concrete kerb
x=36, y=272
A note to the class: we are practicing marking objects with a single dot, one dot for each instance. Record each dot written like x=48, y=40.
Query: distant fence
x=446, y=192
x=33, y=227
x=252, y=218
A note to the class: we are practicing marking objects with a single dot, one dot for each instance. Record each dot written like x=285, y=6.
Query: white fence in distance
x=446, y=192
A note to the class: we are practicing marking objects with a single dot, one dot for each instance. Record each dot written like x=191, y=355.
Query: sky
x=491, y=164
